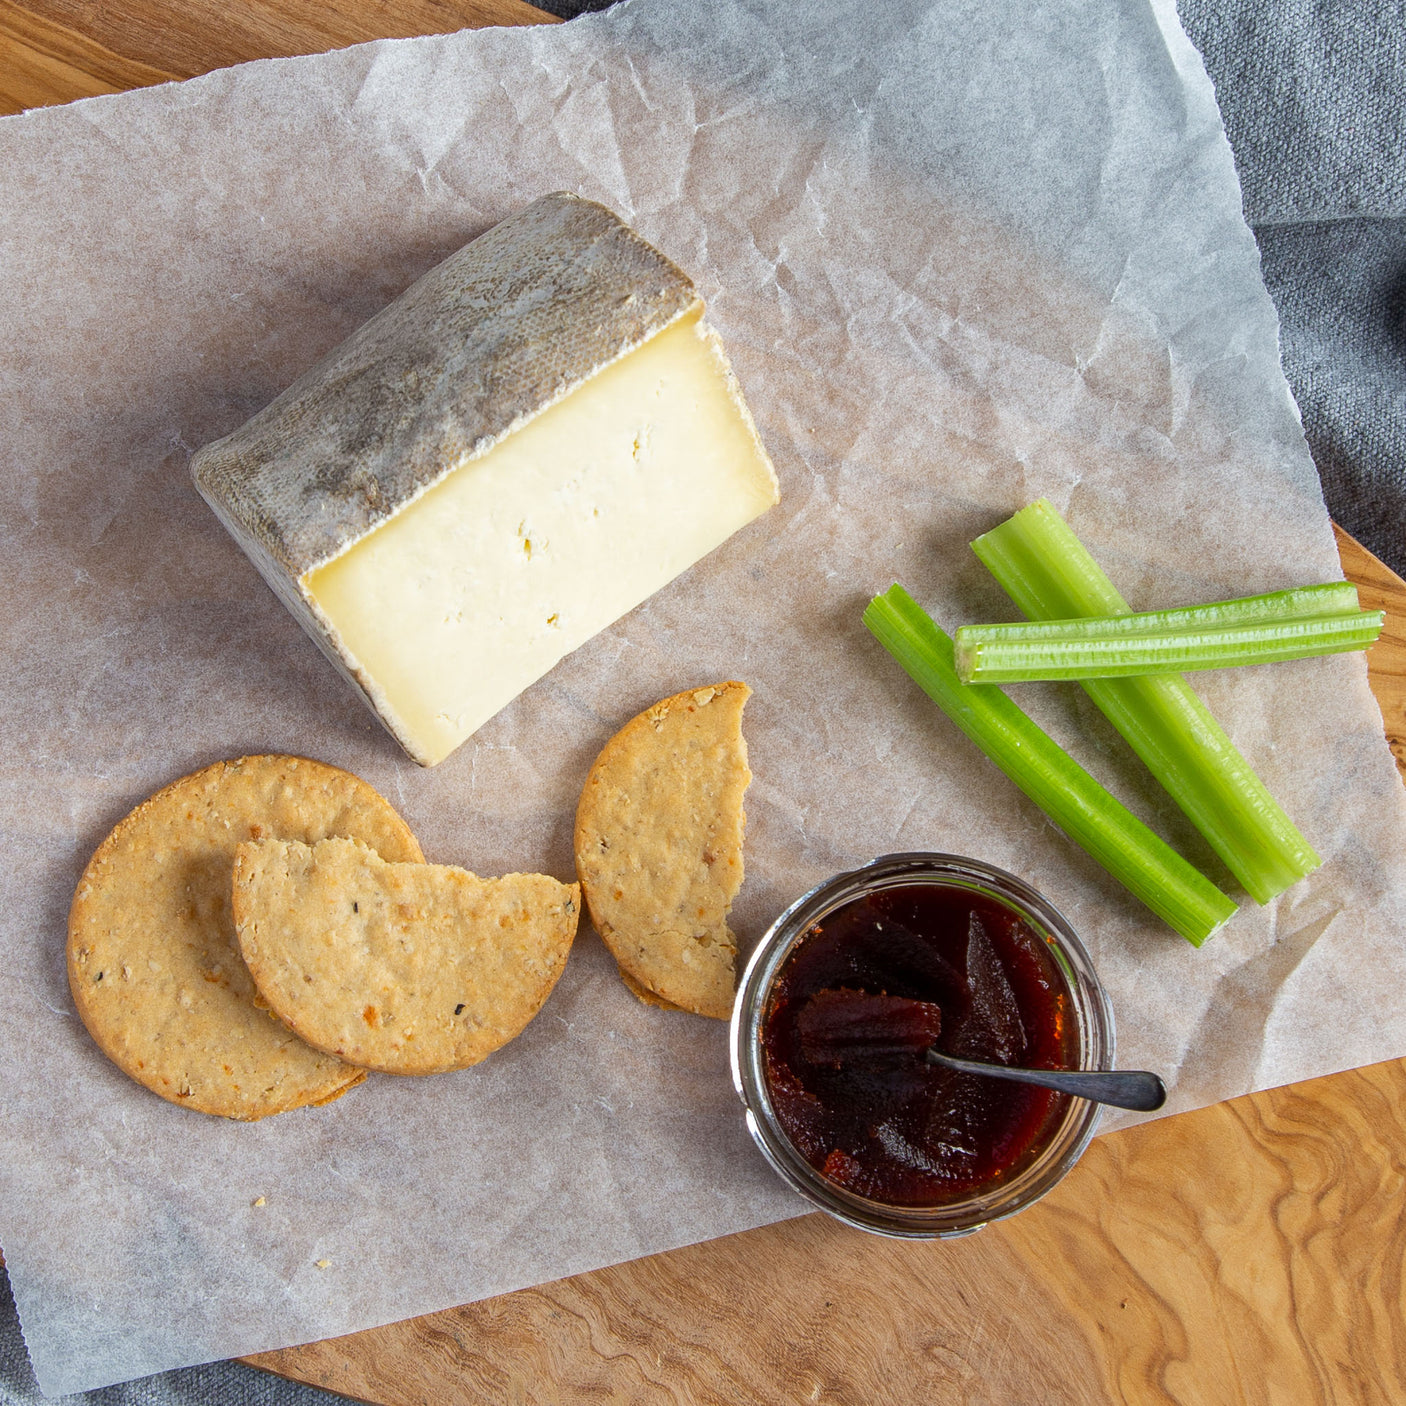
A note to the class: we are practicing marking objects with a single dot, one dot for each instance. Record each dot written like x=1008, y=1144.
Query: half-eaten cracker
x=659, y=846
x=405, y=968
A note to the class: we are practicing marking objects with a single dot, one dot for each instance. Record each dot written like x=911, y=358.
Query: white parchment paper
x=962, y=256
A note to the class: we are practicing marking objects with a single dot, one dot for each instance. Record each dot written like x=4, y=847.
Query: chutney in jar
x=956, y=968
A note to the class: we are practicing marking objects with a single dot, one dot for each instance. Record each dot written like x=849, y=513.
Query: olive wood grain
x=1248, y=1253
x=52, y=51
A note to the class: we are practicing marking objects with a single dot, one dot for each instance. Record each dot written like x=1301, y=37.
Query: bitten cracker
x=659, y=846
x=406, y=968
x=153, y=961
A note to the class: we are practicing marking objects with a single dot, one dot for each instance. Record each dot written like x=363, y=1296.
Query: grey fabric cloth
x=569, y=9
x=1340, y=287
x=1313, y=94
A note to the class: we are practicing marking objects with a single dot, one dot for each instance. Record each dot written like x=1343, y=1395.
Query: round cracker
x=659, y=846
x=405, y=968
x=153, y=962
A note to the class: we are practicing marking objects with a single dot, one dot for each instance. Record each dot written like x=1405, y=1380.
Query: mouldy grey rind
x=484, y=341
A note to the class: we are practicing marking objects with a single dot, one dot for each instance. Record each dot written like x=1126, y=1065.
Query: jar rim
x=1006, y=1196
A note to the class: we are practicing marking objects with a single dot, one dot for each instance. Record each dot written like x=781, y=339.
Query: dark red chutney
x=885, y=1123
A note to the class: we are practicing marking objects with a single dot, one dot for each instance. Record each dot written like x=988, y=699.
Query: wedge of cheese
x=530, y=441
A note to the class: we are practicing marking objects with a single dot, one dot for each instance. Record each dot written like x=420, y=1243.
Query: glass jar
x=1059, y=1147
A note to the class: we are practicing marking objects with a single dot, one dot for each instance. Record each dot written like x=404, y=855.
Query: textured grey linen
x=1313, y=96
x=1314, y=101
x=1340, y=288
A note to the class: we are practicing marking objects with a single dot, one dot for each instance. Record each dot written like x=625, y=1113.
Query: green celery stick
x=1293, y=624
x=1136, y=857
x=1051, y=576
x=1296, y=603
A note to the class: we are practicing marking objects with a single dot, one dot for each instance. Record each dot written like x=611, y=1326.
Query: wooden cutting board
x=1248, y=1253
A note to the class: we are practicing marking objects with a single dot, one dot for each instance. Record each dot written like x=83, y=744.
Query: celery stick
x=1049, y=574
x=1147, y=866
x=1296, y=603
x=1210, y=637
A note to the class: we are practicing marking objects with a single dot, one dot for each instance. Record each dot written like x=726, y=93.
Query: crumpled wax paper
x=962, y=257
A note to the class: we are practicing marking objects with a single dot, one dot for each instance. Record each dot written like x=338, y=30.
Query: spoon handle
x=1123, y=1088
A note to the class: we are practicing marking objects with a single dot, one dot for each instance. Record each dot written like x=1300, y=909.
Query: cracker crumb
x=258, y=1201
x=324, y=1264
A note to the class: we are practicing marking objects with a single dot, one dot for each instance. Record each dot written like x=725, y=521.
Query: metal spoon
x=1123, y=1088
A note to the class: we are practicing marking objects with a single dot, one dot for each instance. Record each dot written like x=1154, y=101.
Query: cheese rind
x=497, y=333
x=532, y=440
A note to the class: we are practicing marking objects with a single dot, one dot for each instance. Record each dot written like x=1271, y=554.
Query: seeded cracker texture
x=659, y=846
x=153, y=960
x=404, y=968
x=493, y=336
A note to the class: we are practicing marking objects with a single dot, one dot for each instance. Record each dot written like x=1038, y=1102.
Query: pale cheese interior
x=474, y=591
